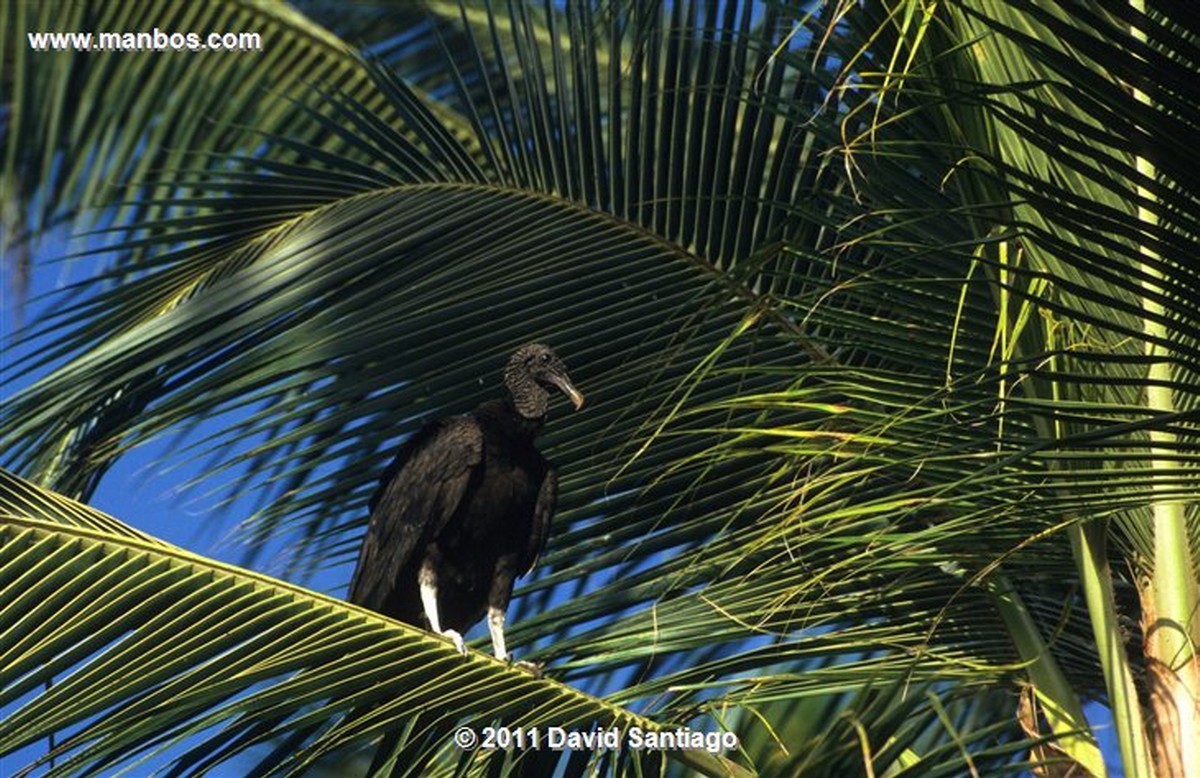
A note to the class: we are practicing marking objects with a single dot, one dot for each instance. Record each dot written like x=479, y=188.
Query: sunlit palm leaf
x=838, y=480
x=219, y=646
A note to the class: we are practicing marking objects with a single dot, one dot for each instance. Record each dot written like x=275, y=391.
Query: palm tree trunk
x=1171, y=621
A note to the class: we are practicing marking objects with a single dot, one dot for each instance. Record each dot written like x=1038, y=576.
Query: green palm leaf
x=844, y=414
x=225, y=645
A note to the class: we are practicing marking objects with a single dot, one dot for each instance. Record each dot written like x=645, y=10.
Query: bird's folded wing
x=417, y=495
x=543, y=512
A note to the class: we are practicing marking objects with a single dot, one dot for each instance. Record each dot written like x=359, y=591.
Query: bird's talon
x=459, y=643
x=533, y=668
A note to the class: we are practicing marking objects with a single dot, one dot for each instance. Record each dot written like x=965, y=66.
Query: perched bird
x=464, y=509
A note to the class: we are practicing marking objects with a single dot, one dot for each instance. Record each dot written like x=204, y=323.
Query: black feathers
x=465, y=508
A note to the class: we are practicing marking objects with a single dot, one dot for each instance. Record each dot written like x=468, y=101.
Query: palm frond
x=86, y=598
x=839, y=406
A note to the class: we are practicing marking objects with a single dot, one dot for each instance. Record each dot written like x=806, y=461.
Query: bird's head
x=533, y=370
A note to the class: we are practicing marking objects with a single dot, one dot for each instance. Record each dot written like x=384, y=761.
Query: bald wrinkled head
x=533, y=370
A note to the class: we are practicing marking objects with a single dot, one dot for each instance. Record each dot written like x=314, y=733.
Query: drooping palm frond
x=1060, y=140
x=304, y=295
x=271, y=216
x=94, y=125
x=247, y=652
x=826, y=417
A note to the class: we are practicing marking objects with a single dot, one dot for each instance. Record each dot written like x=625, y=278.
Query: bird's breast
x=497, y=516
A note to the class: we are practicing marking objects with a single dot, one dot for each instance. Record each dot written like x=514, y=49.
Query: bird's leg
x=500, y=593
x=427, y=581
x=495, y=618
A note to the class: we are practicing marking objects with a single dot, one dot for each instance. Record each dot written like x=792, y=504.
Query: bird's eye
x=545, y=359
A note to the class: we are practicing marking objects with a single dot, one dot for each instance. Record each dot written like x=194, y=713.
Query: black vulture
x=464, y=509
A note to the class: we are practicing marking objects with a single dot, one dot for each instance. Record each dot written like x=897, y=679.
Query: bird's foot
x=459, y=643
x=533, y=668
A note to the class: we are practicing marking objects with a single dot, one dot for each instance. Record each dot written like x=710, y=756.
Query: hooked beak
x=563, y=383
